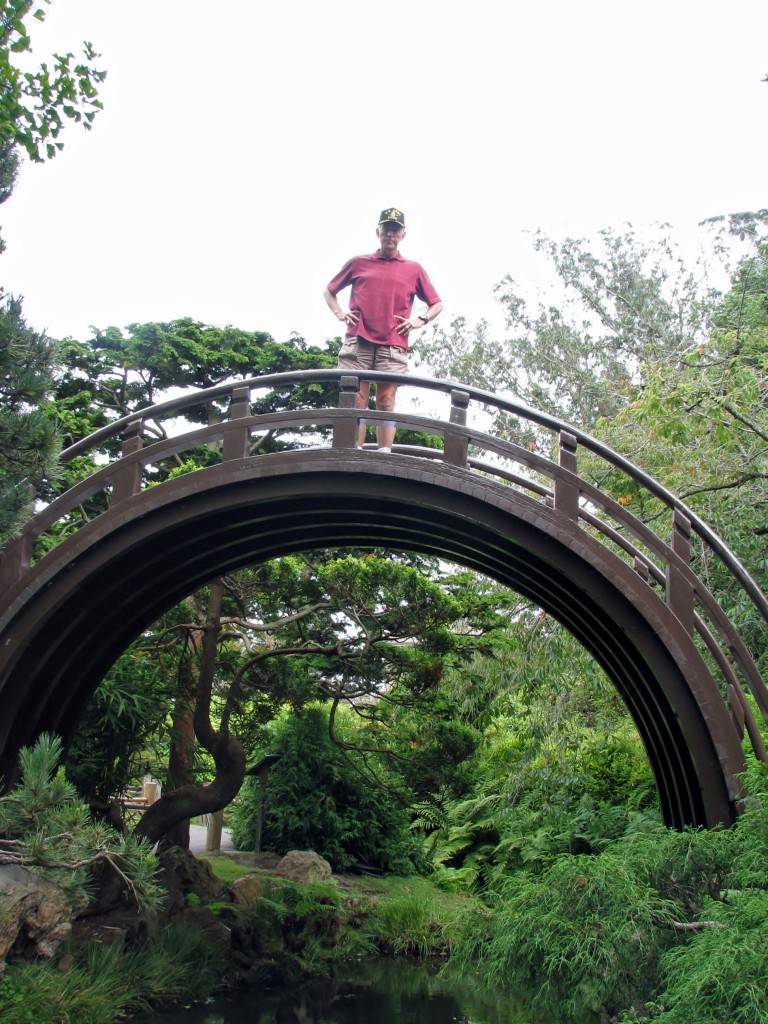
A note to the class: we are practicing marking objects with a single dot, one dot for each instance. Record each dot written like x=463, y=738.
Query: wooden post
x=345, y=429
x=237, y=442
x=260, y=811
x=566, y=491
x=17, y=554
x=213, y=835
x=127, y=479
x=642, y=569
x=680, y=589
x=455, y=442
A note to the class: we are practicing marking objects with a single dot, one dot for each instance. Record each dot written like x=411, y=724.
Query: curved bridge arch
x=65, y=619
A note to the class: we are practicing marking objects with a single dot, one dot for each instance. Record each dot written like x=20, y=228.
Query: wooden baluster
x=237, y=442
x=345, y=428
x=17, y=554
x=742, y=718
x=455, y=442
x=642, y=569
x=679, y=588
x=566, y=491
x=127, y=479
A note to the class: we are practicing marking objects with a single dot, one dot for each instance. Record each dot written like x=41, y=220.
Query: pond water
x=372, y=992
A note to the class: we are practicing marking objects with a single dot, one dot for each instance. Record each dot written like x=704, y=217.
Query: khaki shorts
x=358, y=354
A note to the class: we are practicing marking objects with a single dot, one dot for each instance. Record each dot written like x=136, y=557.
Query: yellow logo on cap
x=394, y=215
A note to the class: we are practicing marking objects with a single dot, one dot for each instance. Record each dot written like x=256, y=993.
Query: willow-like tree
x=646, y=354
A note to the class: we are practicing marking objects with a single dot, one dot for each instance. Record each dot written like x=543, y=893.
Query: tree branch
x=742, y=419
x=695, y=926
x=727, y=486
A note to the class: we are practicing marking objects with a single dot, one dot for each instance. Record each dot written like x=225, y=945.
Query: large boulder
x=182, y=874
x=36, y=916
x=247, y=890
x=304, y=867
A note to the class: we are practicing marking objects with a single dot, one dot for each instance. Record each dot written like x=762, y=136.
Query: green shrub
x=586, y=932
x=46, y=827
x=404, y=925
x=589, y=931
x=720, y=976
x=316, y=800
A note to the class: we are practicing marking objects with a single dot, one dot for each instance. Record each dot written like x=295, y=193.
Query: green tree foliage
x=116, y=373
x=561, y=767
x=624, y=306
x=624, y=302
x=29, y=443
x=45, y=827
x=700, y=424
x=9, y=166
x=112, y=745
x=316, y=798
x=438, y=750
x=35, y=104
x=650, y=357
x=363, y=630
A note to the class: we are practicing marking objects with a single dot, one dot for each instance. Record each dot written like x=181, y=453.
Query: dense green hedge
x=317, y=798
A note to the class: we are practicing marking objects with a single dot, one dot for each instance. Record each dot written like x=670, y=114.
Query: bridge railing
x=546, y=470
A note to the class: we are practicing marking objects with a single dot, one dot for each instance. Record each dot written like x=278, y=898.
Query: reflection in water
x=375, y=992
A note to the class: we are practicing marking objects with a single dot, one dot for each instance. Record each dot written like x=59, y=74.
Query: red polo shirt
x=381, y=290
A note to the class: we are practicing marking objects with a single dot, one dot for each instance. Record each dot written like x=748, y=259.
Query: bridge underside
x=81, y=606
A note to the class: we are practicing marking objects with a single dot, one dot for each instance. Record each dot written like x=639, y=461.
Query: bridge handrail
x=485, y=398
x=551, y=479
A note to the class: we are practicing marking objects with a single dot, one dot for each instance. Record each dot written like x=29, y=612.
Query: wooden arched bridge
x=75, y=590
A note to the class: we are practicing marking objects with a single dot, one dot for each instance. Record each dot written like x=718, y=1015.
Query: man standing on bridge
x=379, y=322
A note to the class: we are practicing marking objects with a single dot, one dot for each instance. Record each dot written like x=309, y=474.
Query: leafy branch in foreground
x=45, y=827
x=35, y=104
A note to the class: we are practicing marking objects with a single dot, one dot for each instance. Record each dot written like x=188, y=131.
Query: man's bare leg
x=361, y=402
x=385, y=402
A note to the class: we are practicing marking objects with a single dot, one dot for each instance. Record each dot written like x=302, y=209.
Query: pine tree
x=29, y=443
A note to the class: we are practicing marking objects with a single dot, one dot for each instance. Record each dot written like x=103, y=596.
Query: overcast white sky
x=246, y=148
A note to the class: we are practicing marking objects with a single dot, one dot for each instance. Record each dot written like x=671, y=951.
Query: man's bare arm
x=338, y=312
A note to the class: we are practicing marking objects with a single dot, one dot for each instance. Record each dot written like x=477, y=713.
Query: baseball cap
x=393, y=215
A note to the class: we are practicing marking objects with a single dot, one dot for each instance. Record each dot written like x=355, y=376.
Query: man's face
x=390, y=235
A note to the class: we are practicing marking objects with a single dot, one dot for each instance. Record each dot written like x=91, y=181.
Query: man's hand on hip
x=347, y=318
x=406, y=326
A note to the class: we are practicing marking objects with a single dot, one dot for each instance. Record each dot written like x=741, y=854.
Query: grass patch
x=106, y=983
x=225, y=868
x=411, y=917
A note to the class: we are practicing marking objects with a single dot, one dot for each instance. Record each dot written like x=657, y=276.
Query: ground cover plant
x=103, y=984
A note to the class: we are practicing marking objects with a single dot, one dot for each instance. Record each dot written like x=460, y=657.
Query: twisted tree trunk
x=189, y=800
